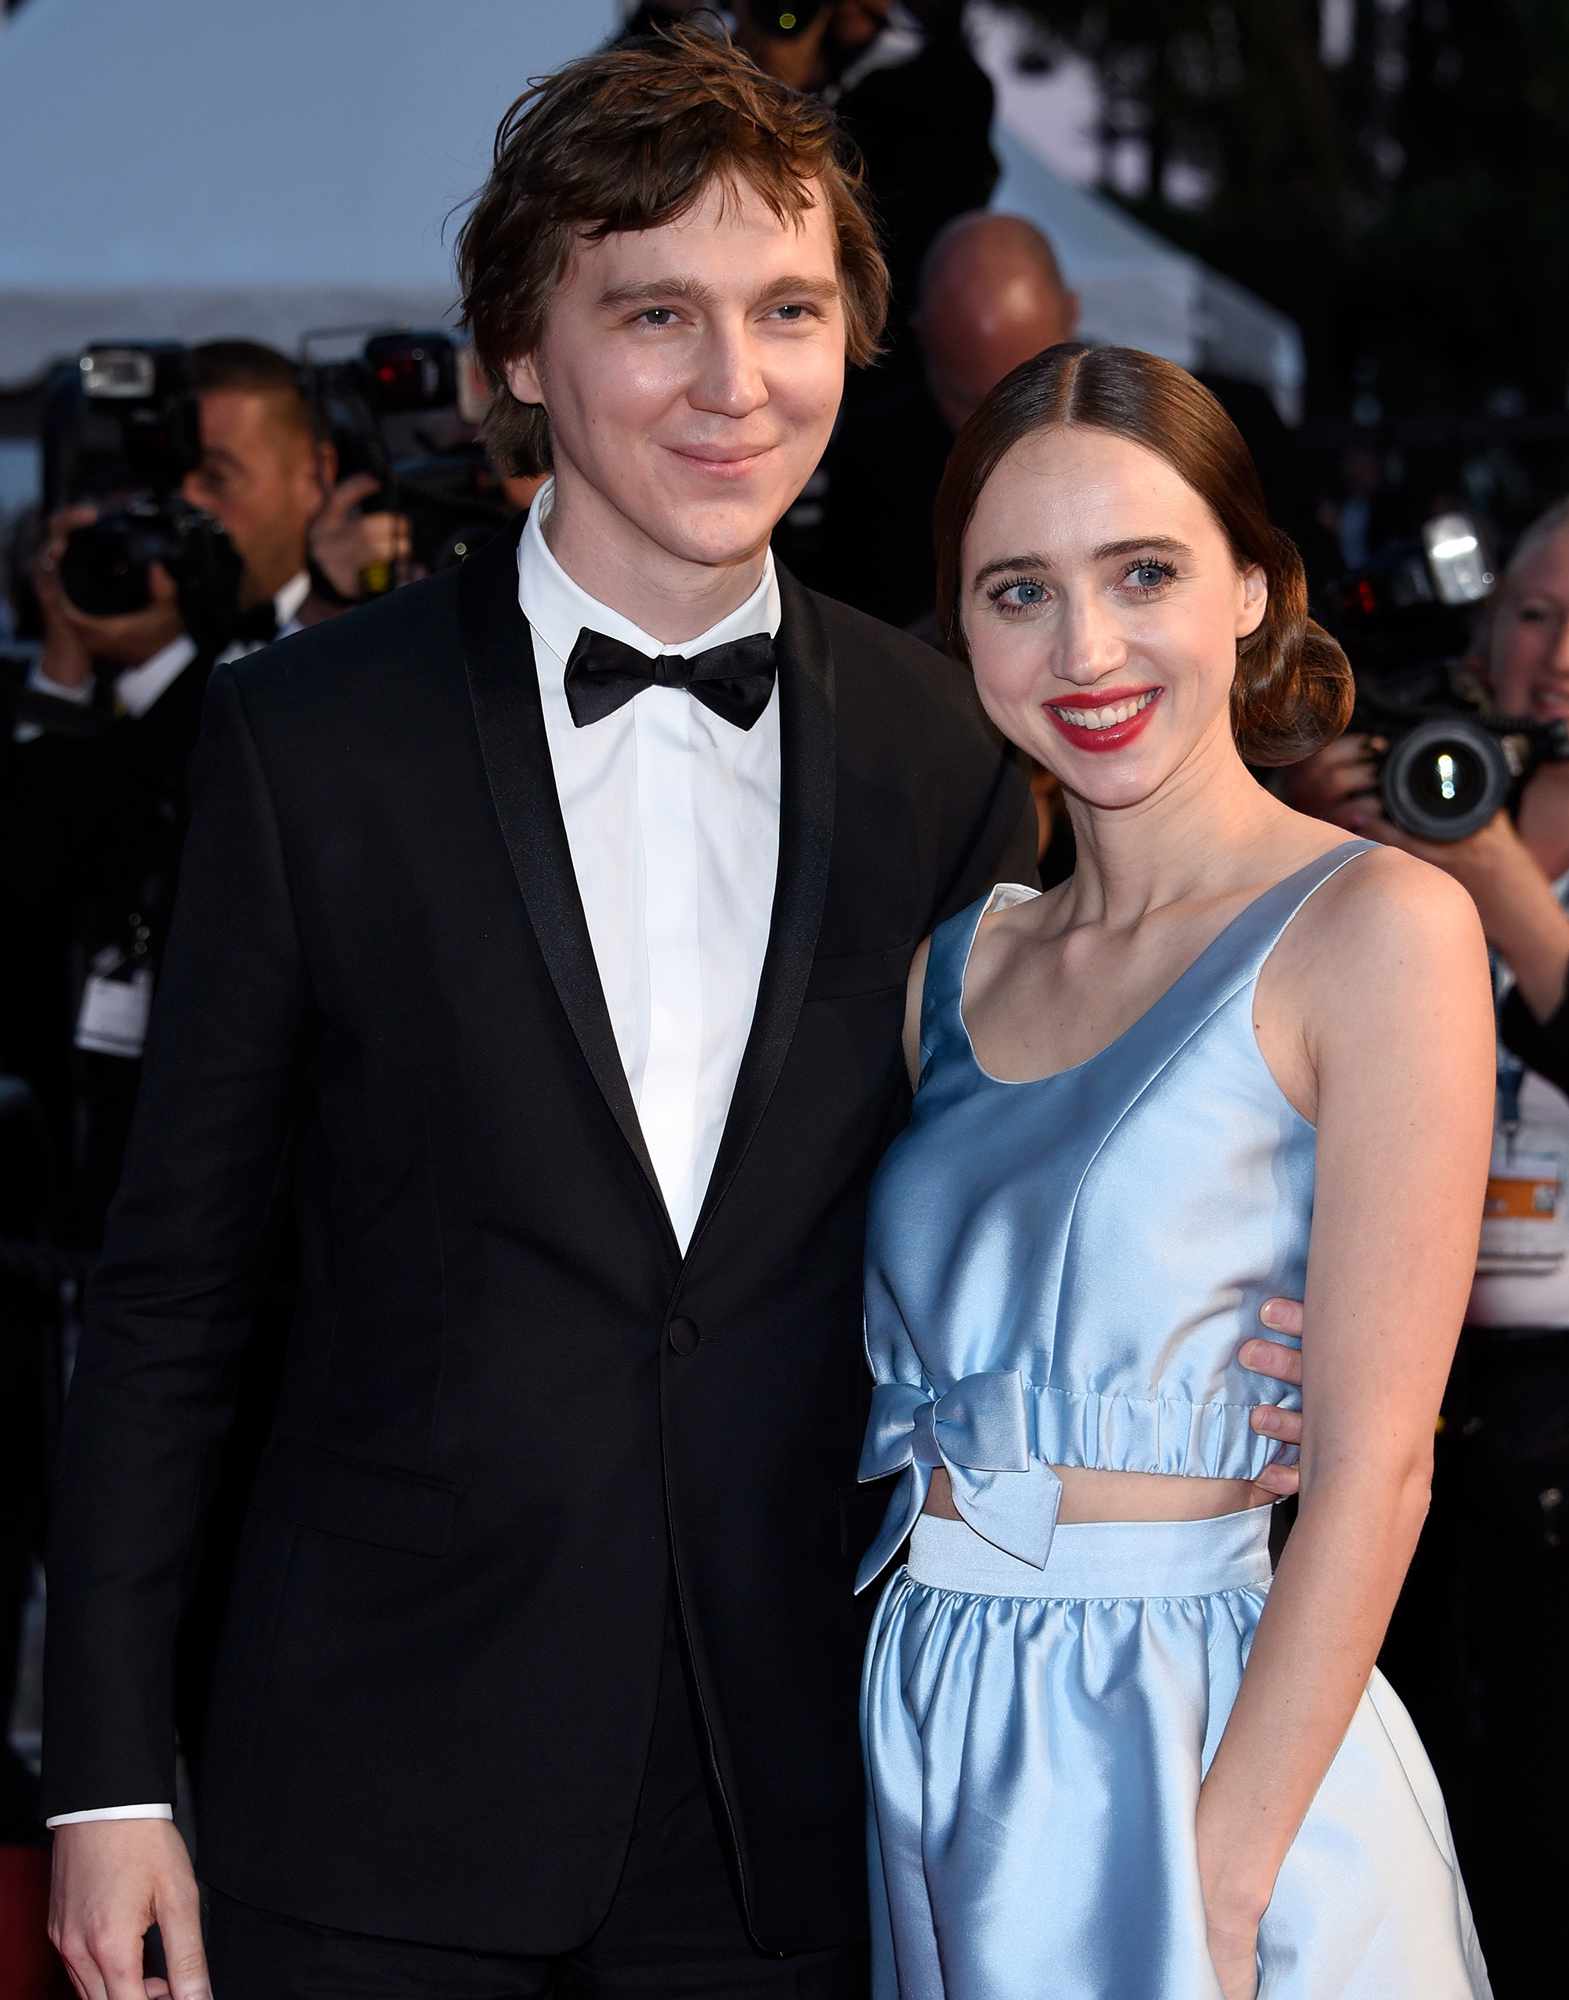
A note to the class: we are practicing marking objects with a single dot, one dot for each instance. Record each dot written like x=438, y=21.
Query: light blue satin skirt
x=1034, y=1746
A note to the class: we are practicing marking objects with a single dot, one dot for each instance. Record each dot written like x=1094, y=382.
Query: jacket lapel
x=504, y=690
x=807, y=781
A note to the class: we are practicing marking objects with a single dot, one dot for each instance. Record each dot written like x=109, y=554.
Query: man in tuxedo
x=552, y=919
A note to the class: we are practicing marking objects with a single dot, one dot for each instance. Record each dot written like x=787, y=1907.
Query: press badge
x=116, y=1002
x=1525, y=1229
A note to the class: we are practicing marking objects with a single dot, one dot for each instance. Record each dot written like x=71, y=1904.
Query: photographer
x=267, y=478
x=1499, y=1554
x=91, y=823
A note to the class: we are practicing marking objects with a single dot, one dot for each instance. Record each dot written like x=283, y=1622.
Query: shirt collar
x=287, y=601
x=558, y=609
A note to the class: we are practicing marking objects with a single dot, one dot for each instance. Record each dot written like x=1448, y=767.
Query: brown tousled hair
x=1293, y=691
x=629, y=139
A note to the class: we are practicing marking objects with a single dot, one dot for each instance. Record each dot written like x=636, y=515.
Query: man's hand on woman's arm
x=1282, y=1364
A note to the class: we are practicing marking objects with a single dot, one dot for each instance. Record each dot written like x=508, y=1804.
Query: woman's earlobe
x=1255, y=601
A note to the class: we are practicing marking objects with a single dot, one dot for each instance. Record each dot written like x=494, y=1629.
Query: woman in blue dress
x=1109, y=1756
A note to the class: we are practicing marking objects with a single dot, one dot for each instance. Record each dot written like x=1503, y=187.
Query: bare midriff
x=1089, y=1494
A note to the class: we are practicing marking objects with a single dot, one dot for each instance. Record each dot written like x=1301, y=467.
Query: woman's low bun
x=1293, y=689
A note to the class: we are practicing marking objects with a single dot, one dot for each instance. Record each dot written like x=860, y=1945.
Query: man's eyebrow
x=692, y=291
x=824, y=290
x=1138, y=545
x=215, y=454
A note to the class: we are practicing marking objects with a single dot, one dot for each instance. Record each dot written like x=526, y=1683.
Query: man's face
x=969, y=352
x=691, y=375
x=260, y=476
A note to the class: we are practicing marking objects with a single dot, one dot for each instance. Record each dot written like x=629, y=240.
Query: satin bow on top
x=734, y=679
x=979, y=1432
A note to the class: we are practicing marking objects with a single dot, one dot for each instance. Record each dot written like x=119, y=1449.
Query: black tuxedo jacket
x=513, y=1417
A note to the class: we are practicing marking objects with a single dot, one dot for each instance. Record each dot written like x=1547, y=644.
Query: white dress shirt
x=672, y=816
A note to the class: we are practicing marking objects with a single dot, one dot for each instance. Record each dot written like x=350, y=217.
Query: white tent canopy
x=194, y=168
x=1136, y=290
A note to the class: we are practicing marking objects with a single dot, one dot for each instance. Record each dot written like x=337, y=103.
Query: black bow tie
x=734, y=680
x=256, y=627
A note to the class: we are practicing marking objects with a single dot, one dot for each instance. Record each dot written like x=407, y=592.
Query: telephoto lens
x=1445, y=778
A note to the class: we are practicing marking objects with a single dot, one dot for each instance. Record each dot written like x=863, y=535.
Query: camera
x=1451, y=762
x=143, y=391
x=397, y=409
x=126, y=419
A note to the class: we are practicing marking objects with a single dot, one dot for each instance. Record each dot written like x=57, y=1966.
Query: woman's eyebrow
x=1137, y=545
x=1163, y=545
x=1031, y=560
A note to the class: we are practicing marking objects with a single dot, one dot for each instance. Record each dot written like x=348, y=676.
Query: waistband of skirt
x=1100, y=1558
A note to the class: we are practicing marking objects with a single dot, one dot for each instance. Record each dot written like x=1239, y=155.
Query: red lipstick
x=1117, y=735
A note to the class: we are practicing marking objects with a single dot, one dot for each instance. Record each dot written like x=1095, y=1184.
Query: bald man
x=991, y=295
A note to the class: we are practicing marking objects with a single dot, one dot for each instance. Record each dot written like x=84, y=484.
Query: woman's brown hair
x=629, y=139
x=1292, y=692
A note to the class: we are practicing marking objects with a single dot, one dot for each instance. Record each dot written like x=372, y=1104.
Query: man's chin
x=717, y=536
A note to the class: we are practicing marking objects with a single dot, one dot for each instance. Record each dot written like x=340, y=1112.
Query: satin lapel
x=807, y=782
x=504, y=689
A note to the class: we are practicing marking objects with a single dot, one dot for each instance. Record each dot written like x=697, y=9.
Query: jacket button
x=683, y=1336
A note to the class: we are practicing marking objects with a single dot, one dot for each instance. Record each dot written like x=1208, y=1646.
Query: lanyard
x=1511, y=1071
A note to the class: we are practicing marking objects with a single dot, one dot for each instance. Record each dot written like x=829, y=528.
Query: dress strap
x=1248, y=941
x=946, y=963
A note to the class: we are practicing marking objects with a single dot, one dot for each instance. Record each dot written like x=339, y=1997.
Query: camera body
x=1451, y=762
x=143, y=391
x=395, y=410
x=127, y=421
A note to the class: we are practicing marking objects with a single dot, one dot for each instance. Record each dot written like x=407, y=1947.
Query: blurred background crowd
x=232, y=403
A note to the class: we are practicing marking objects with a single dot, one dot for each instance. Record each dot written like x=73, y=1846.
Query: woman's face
x=1102, y=609
x=1528, y=638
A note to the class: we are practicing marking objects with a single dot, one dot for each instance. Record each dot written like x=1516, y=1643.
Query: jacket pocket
x=318, y=1488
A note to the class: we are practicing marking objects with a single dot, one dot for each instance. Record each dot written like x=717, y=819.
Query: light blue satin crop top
x=1060, y=1272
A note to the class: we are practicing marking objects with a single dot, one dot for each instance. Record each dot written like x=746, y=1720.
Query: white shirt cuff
x=111, y=1812
x=81, y=692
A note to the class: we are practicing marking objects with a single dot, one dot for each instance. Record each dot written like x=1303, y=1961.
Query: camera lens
x=103, y=569
x=1445, y=779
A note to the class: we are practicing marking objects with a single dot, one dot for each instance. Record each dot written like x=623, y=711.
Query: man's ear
x=326, y=465
x=1254, y=601
x=523, y=379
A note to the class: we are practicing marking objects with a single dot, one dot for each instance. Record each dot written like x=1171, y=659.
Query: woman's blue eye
x=1015, y=595
x=1150, y=575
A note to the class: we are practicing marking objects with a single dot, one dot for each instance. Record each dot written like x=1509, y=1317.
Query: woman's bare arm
x=1397, y=1019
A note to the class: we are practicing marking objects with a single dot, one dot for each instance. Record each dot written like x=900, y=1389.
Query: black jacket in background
x=512, y=1415
x=1540, y=1045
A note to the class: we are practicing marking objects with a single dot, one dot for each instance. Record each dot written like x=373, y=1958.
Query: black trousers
x=1479, y=1647
x=674, y=1927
